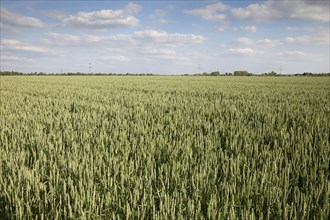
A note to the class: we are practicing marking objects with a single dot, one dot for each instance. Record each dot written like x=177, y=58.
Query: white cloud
x=64, y=38
x=166, y=37
x=162, y=53
x=308, y=28
x=244, y=41
x=246, y=28
x=213, y=12
x=145, y=43
x=292, y=28
x=291, y=53
x=226, y=27
x=103, y=19
x=161, y=44
x=268, y=10
x=69, y=39
x=12, y=20
x=261, y=43
x=159, y=51
x=291, y=40
x=22, y=46
x=10, y=58
x=118, y=58
x=243, y=51
x=268, y=42
x=151, y=36
x=284, y=9
x=321, y=37
x=256, y=11
x=107, y=39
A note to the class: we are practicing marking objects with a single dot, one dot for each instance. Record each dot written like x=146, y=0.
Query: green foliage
x=215, y=73
x=242, y=73
x=272, y=73
x=111, y=147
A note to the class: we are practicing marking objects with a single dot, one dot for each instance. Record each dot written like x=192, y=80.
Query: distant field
x=156, y=147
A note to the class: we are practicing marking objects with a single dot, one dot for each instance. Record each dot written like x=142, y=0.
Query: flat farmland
x=164, y=147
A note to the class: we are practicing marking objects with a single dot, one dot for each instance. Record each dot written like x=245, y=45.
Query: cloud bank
x=104, y=18
x=265, y=11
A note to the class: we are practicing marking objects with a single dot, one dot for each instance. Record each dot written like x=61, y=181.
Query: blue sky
x=165, y=37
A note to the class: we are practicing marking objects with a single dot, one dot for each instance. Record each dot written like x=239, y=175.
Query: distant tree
x=216, y=73
x=10, y=73
x=272, y=73
x=242, y=73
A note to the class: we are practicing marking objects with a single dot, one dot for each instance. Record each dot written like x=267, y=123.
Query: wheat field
x=164, y=147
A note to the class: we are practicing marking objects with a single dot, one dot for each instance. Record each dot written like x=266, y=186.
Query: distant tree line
x=246, y=73
x=8, y=73
x=214, y=73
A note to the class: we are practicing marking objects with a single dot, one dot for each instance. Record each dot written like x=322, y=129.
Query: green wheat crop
x=153, y=147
